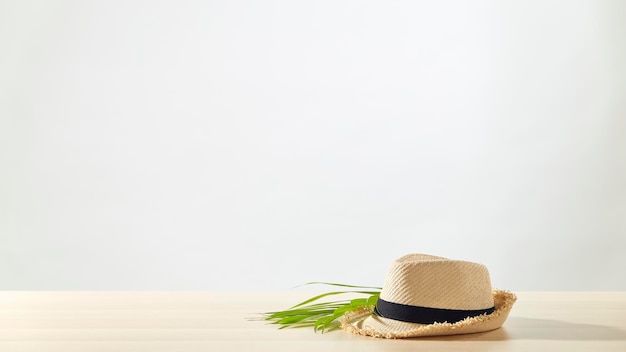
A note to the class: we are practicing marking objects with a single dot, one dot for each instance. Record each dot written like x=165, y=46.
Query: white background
x=263, y=144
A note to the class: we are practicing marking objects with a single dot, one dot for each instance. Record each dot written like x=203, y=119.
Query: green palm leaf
x=324, y=316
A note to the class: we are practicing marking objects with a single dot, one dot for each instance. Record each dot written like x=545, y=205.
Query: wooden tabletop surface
x=220, y=321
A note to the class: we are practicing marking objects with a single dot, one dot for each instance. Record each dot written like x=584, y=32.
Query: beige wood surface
x=218, y=321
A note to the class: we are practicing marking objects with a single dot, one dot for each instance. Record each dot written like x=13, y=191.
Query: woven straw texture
x=429, y=281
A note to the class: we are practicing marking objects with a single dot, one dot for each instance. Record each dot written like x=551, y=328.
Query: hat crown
x=435, y=282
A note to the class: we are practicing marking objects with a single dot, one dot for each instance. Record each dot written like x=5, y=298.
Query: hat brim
x=364, y=323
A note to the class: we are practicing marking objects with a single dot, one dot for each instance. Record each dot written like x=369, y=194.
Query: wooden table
x=218, y=321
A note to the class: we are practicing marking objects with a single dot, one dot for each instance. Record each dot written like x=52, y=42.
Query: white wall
x=263, y=144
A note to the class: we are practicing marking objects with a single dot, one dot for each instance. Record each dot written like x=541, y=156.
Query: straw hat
x=424, y=295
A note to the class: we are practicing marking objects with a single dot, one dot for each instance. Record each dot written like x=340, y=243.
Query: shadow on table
x=518, y=328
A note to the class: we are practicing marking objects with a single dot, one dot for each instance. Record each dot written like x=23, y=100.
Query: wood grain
x=220, y=321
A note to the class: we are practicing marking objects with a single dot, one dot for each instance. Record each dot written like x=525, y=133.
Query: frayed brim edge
x=504, y=301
